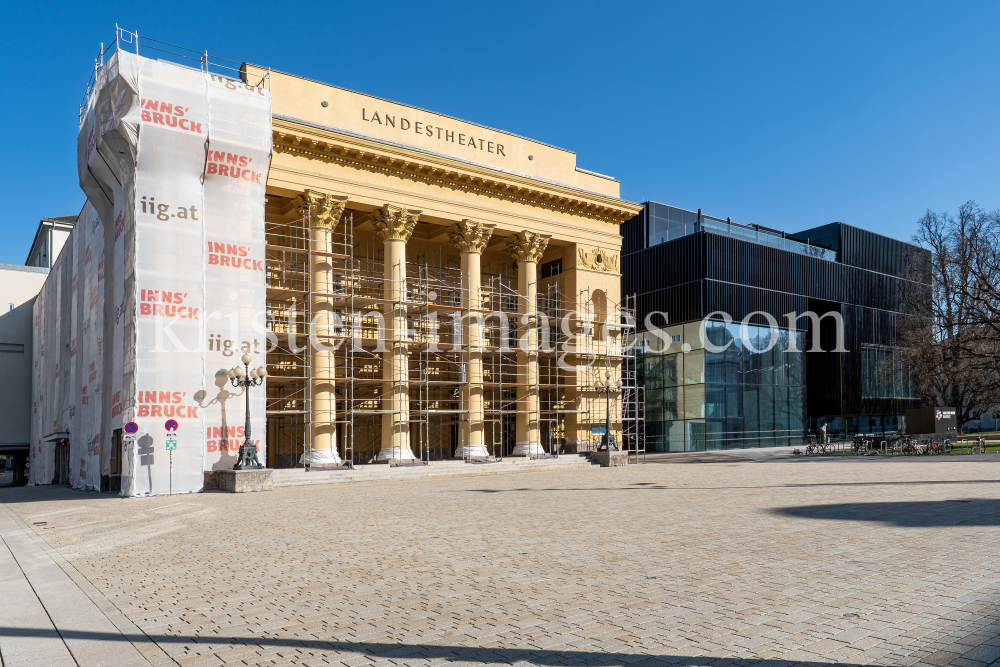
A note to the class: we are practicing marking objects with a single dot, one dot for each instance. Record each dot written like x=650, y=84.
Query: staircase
x=285, y=477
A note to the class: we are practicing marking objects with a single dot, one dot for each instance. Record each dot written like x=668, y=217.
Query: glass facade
x=745, y=390
x=885, y=373
x=666, y=223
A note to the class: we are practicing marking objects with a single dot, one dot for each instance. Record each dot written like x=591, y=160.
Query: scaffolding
x=437, y=303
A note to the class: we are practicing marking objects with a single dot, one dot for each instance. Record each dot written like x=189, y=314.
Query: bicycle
x=978, y=446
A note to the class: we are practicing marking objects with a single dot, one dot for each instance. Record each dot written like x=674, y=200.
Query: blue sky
x=782, y=114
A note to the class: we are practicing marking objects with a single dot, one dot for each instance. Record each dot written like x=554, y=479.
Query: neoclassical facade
x=459, y=286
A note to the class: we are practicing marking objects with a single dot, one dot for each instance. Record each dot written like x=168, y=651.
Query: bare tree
x=952, y=302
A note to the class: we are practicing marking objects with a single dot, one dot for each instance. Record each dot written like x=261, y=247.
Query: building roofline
x=58, y=221
x=415, y=108
x=21, y=267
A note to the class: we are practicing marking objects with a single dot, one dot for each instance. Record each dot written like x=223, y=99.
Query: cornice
x=370, y=154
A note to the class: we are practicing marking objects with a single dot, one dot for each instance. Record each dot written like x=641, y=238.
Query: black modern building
x=710, y=384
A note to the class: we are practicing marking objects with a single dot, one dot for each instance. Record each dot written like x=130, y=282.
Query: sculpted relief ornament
x=527, y=246
x=394, y=223
x=471, y=236
x=599, y=260
x=324, y=210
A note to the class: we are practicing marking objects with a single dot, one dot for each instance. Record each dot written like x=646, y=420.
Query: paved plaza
x=710, y=559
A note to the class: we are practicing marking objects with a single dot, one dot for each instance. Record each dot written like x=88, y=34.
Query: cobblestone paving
x=743, y=562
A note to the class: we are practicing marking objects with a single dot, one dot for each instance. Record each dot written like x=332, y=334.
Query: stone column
x=394, y=225
x=471, y=238
x=526, y=248
x=323, y=211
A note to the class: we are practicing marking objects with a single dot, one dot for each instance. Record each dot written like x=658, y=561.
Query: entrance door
x=115, y=478
x=61, y=476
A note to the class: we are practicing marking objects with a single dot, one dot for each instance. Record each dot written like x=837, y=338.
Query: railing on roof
x=755, y=234
x=752, y=233
x=130, y=41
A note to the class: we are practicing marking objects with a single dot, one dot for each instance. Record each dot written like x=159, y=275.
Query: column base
x=399, y=454
x=321, y=457
x=527, y=449
x=471, y=452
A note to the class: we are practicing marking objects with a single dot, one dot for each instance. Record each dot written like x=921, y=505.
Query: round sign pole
x=171, y=427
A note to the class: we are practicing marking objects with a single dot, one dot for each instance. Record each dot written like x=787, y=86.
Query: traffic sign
x=131, y=427
x=171, y=425
x=171, y=442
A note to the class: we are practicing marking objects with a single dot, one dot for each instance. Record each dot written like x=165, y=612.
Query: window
x=553, y=268
x=885, y=373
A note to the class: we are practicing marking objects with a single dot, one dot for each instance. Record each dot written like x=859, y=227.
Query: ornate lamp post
x=606, y=386
x=247, y=378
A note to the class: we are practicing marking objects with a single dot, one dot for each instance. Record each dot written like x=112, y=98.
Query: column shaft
x=322, y=211
x=394, y=225
x=527, y=248
x=472, y=443
x=324, y=405
x=527, y=442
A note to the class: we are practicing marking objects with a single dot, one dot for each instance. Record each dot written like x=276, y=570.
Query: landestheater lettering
x=432, y=131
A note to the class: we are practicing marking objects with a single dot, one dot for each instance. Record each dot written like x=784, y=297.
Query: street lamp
x=247, y=378
x=606, y=386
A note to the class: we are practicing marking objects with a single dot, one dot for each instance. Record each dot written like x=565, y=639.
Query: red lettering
x=150, y=397
x=158, y=310
x=223, y=170
x=258, y=265
x=224, y=260
x=163, y=397
x=244, y=250
x=192, y=412
x=232, y=159
x=156, y=411
x=150, y=104
x=231, y=249
x=219, y=156
x=170, y=311
x=248, y=264
x=183, y=124
x=194, y=313
x=212, y=446
x=168, y=411
x=145, y=309
x=171, y=121
x=212, y=169
x=158, y=118
x=166, y=108
x=245, y=175
x=244, y=161
x=196, y=127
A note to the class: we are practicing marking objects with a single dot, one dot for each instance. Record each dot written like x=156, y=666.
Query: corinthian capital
x=322, y=209
x=471, y=236
x=527, y=246
x=393, y=222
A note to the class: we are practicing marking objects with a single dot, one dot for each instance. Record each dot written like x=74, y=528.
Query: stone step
x=285, y=477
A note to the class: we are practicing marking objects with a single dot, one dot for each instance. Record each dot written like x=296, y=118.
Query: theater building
x=417, y=286
x=750, y=383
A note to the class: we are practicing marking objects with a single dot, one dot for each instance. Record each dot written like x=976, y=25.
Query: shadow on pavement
x=19, y=493
x=910, y=514
x=450, y=653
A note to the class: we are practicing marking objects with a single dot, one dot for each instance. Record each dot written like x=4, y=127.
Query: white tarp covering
x=161, y=288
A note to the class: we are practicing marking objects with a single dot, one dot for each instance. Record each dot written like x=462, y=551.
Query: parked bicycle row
x=896, y=445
